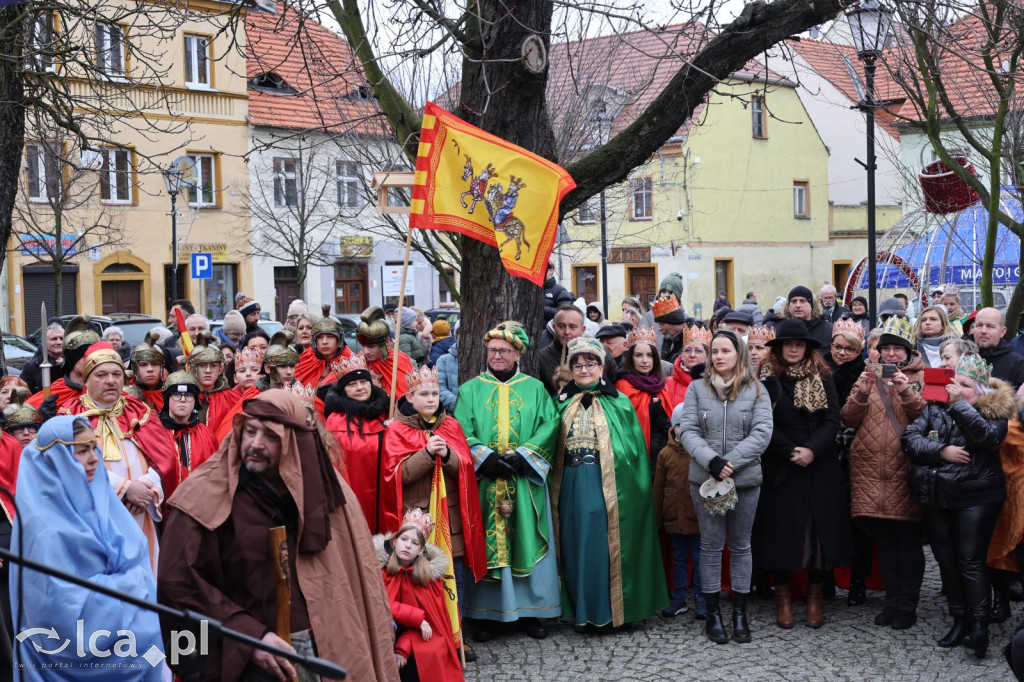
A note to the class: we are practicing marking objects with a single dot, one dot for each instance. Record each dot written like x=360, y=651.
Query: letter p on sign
x=202, y=266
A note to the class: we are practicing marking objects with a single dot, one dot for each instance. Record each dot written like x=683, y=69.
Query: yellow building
x=161, y=82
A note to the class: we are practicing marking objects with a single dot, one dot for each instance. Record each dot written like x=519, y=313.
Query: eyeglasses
x=590, y=366
x=500, y=352
x=693, y=351
x=182, y=397
x=836, y=348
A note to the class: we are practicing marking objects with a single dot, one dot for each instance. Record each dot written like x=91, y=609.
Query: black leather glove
x=715, y=467
x=516, y=462
x=49, y=407
x=489, y=468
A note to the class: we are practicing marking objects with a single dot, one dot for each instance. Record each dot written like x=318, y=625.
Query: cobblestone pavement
x=849, y=647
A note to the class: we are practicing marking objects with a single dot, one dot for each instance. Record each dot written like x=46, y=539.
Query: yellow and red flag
x=441, y=536
x=186, y=340
x=479, y=185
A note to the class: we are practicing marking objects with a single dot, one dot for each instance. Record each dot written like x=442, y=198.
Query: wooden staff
x=398, y=323
x=282, y=570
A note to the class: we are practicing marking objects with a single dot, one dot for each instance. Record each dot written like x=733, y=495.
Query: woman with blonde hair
x=930, y=330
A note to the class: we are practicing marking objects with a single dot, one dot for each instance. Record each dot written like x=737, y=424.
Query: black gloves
x=489, y=468
x=496, y=466
x=49, y=407
x=516, y=462
x=715, y=467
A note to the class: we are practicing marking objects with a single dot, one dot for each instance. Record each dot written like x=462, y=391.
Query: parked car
x=271, y=327
x=17, y=351
x=349, y=322
x=96, y=322
x=449, y=314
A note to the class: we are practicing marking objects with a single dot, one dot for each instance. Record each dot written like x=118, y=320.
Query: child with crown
x=425, y=648
x=425, y=449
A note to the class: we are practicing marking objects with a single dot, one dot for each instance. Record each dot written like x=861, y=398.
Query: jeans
x=901, y=558
x=684, y=547
x=737, y=525
x=960, y=540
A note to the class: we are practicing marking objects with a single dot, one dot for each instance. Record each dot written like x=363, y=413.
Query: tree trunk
x=12, y=121
x=515, y=111
x=58, y=283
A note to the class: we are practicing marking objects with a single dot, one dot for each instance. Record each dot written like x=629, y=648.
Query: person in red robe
x=148, y=367
x=314, y=368
x=78, y=337
x=194, y=442
x=421, y=434
x=10, y=458
x=413, y=572
x=643, y=382
x=356, y=411
x=374, y=335
x=216, y=398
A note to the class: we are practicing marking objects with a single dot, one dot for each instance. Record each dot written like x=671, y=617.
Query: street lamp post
x=604, y=130
x=870, y=23
x=173, y=179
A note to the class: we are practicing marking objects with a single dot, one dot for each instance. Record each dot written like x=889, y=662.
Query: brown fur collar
x=435, y=555
x=1000, y=403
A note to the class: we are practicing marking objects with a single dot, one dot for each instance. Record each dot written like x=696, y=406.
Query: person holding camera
x=883, y=401
x=957, y=474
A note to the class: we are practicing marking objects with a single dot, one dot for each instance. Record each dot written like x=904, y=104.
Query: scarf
x=648, y=384
x=930, y=349
x=808, y=390
x=357, y=412
x=108, y=431
x=721, y=386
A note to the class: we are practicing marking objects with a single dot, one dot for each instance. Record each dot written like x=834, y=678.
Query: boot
x=713, y=626
x=815, y=616
x=977, y=637
x=784, y=606
x=955, y=635
x=1000, y=610
x=857, y=594
x=740, y=627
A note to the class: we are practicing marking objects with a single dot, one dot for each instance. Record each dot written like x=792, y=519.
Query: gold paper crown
x=950, y=289
x=695, y=334
x=342, y=365
x=665, y=306
x=418, y=518
x=899, y=327
x=760, y=334
x=850, y=327
x=422, y=378
x=307, y=394
x=642, y=335
x=249, y=356
x=971, y=365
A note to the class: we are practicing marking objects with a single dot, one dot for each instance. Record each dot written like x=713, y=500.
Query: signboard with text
x=42, y=246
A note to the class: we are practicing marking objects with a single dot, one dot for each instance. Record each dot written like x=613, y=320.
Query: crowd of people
x=641, y=466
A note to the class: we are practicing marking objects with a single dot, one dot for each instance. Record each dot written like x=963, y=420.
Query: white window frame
x=199, y=200
x=801, y=203
x=348, y=180
x=106, y=50
x=757, y=127
x=286, y=176
x=43, y=169
x=642, y=198
x=109, y=168
x=43, y=34
x=197, y=53
x=585, y=213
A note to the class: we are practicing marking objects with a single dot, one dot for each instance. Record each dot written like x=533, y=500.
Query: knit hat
x=352, y=368
x=632, y=303
x=234, y=323
x=297, y=307
x=860, y=299
x=673, y=283
x=408, y=317
x=897, y=330
x=511, y=332
x=585, y=344
x=244, y=304
x=442, y=329
x=780, y=302
x=801, y=292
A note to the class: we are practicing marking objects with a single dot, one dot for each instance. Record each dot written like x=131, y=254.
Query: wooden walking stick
x=282, y=570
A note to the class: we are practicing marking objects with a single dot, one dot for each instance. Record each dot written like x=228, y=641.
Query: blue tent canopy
x=952, y=252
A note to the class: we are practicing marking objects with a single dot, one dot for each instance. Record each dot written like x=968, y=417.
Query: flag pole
x=398, y=322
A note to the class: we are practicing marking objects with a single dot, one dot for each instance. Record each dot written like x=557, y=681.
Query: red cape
x=642, y=405
x=141, y=425
x=676, y=385
x=411, y=604
x=59, y=388
x=401, y=441
x=202, y=443
x=10, y=458
x=383, y=367
x=361, y=462
x=311, y=368
x=224, y=428
x=152, y=397
x=221, y=404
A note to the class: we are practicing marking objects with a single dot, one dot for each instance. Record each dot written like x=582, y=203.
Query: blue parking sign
x=202, y=266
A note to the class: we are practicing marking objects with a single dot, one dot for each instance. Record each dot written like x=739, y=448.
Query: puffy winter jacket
x=749, y=306
x=554, y=295
x=736, y=430
x=673, y=504
x=448, y=377
x=411, y=344
x=878, y=467
x=979, y=430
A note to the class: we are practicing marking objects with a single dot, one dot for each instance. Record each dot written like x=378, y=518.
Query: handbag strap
x=888, y=407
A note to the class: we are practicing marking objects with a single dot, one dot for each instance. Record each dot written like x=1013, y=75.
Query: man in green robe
x=607, y=538
x=512, y=428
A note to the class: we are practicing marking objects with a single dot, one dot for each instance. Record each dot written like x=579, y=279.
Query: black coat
x=980, y=431
x=837, y=312
x=554, y=295
x=1006, y=364
x=33, y=376
x=845, y=376
x=821, y=331
x=795, y=498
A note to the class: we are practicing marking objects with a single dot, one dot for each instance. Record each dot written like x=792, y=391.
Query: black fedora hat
x=792, y=330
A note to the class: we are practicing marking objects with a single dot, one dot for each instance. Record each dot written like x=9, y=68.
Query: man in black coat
x=53, y=337
x=831, y=309
x=568, y=324
x=800, y=305
x=988, y=330
x=555, y=295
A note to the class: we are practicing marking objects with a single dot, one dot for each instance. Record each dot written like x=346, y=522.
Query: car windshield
x=135, y=332
x=16, y=347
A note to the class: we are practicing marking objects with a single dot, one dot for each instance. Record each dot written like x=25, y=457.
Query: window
x=197, y=60
x=39, y=54
x=206, y=180
x=585, y=212
x=584, y=281
x=43, y=171
x=110, y=50
x=286, y=183
x=348, y=184
x=116, y=175
x=757, y=116
x=270, y=82
x=643, y=199
x=801, y=200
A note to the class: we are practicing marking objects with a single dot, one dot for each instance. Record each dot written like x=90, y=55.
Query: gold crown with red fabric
x=100, y=353
x=307, y=394
x=850, y=328
x=251, y=357
x=695, y=334
x=642, y=335
x=665, y=306
x=425, y=377
x=416, y=518
x=760, y=334
x=342, y=365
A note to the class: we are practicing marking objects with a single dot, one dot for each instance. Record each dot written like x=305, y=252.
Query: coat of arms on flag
x=479, y=185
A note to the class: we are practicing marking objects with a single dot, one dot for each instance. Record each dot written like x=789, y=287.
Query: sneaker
x=674, y=610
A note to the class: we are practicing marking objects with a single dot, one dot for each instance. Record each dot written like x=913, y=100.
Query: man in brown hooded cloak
x=217, y=558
